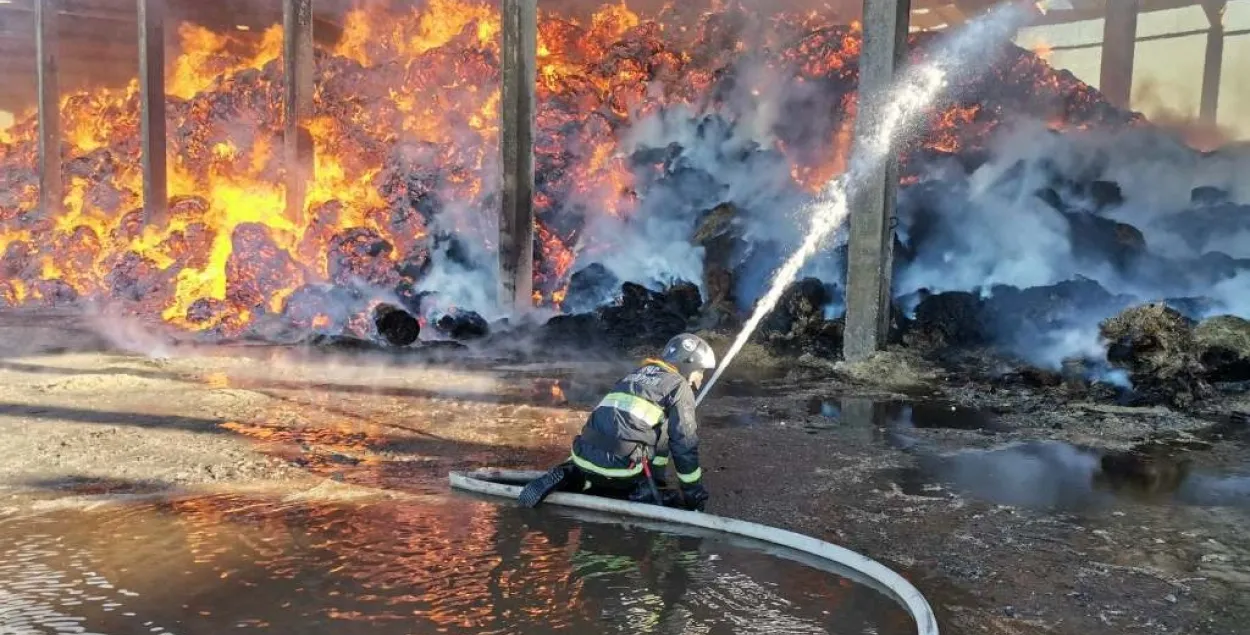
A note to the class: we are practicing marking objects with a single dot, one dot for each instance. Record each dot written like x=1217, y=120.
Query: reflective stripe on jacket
x=648, y=415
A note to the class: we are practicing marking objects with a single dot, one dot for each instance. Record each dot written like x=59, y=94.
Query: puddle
x=919, y=414
x=446, y=564
x=1057, y=475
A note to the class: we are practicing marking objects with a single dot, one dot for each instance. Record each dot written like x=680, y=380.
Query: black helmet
x=689, y=353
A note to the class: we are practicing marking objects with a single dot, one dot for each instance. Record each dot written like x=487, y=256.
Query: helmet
x=689, y=353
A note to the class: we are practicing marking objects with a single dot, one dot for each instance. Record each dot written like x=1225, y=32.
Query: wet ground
x=446, y=564
x=1014, y=511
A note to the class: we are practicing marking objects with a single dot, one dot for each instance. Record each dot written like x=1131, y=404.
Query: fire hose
x=508, y=484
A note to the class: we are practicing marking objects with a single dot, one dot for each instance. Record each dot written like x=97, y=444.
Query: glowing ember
x=406, y=133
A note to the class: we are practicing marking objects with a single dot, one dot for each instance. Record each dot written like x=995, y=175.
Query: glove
x=695, y=496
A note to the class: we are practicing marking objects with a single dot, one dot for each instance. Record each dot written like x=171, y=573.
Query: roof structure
x=98, y=39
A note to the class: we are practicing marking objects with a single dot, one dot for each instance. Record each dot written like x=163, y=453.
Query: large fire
x=405, y=132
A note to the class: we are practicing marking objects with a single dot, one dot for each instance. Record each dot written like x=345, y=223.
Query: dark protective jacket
x=648, y=416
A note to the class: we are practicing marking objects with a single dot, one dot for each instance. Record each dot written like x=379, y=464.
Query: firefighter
x=643, y=424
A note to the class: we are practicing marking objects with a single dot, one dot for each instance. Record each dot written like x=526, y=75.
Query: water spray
x=915, y=90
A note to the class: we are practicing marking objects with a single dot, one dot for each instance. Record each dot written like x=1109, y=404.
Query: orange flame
x=405, y=135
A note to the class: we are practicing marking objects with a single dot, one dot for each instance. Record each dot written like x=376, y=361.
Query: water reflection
x=921, y=414
x=443, y=565
x=1039, y=474
x=1053, y=474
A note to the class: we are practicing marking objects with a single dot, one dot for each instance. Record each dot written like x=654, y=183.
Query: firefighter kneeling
x=643, y=424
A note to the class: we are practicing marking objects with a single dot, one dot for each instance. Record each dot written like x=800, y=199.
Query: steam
x=917, y=89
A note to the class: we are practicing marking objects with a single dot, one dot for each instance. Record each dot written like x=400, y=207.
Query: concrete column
x=152, y=105
x=516, y=219
x=51, y=194
x=1213, y=64
x=298, y=67
x=871, y=245
x=1119, y=43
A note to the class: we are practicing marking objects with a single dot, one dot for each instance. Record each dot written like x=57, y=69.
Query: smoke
x=1031, y=217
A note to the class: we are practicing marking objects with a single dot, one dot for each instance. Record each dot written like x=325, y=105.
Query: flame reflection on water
x=435, y=564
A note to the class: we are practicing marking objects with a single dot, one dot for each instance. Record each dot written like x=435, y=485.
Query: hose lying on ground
x=508, y=483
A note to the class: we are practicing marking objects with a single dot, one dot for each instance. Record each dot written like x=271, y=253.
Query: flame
x=405, y=138
x=1043, y=50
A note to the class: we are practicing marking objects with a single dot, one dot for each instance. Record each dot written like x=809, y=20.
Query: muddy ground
x=1046, y=536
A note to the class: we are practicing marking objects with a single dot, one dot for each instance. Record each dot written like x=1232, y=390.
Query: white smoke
x=992, y=228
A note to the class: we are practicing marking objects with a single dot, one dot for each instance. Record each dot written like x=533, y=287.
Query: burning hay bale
x=258, y=270
x=1224, y=345
x=1156, y=345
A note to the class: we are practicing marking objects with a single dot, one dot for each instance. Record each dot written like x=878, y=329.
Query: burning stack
x=674, y=155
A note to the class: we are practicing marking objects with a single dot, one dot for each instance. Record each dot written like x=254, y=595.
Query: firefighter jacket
x=648, y=416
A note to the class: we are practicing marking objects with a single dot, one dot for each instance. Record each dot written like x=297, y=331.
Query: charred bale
x=584, y=330
x=459, y=324
x=802, y=306
x=684, y=299
x=1156, y=345
x=720, y=236
x=1203, y=225
x=1224, y=348
x=1013, y=313
x=1208, y=195
x=798, y=324
x=590, y=288
x=395, y=325
x=321, y=308
x=641, y=317
x=948, y=319
x=1105, y=195
x=1098, y=239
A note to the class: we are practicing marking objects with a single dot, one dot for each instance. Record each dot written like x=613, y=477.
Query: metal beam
x=51, y=196
x=298, y=66
x=152, y=107
x=516, y=219
x=1082, y=13
x=870, y=253
x=87, y=14
x=1119, y=44
x=1213, y=64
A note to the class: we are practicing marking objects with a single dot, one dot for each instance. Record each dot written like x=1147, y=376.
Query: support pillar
x=1119, y=43
x=298, y=68
x=516, y=219
x=51, y=194
x=152, y=105
x=1213, y=64
x=871, y=245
